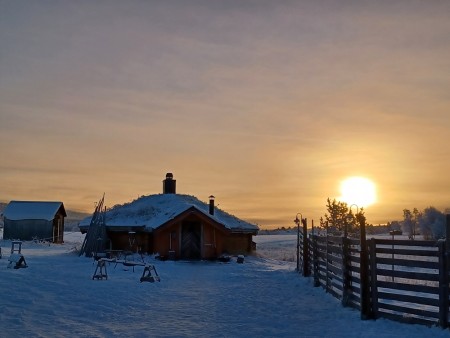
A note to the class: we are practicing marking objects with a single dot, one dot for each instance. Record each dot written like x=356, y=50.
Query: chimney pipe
x=211, y=205
x=169, y=184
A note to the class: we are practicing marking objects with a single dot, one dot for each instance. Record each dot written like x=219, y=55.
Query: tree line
x=341, y=218
x=429, y=223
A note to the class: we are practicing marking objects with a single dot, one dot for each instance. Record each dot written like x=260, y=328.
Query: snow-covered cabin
x=27, y=220
x=176, y=226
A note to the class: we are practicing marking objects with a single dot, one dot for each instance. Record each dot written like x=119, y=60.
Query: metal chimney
x=211, y=205
x=169, y=184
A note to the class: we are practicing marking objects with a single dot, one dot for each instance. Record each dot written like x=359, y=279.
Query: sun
x=358, y=190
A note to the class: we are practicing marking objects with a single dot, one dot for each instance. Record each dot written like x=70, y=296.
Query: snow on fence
x=406, y=280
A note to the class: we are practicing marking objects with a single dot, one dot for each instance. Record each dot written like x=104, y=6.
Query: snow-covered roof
x=19, y=210
x=155, y=210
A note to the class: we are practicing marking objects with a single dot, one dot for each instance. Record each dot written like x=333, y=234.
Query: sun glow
x=358, y=190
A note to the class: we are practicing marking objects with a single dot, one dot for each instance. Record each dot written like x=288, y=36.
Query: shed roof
x=154, y=211
x=20, y=210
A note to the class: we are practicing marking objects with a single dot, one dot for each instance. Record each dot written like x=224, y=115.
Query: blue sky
x=267, y=105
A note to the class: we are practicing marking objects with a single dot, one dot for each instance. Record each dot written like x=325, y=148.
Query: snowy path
x=55, y=297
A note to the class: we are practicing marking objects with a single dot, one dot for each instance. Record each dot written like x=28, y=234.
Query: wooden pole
x=447, y=233
x=443, y=285
x=364, y=272
x=444, y=269
x=315, y=259
x=305, y=248
x=346, y=277
x=298, y=245
x=374, y=277
x=327, y=277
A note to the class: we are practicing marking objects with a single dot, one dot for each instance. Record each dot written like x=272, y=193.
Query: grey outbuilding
x=34, y=220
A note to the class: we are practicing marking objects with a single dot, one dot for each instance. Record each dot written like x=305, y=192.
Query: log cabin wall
x=237, y=244
x=167, y=240
x=213, y=241
x=192, y=235
x=120, y=240
x=144, y=242
x=209, y=241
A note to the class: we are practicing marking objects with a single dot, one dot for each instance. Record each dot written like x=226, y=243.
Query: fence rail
x=402, y=280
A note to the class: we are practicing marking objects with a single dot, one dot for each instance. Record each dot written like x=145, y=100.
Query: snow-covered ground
x=264, y=297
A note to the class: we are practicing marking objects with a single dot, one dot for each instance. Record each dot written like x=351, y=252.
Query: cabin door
x=191, y=234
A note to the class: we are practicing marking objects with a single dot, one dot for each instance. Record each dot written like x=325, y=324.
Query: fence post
x=315, y=261
x=327, y=266
x=306, y=263
x=373, y=275
x=443, y=285
x=298, y=245
x=346, y=276
x=447, y=233
x=364, y=273
x=311, y=250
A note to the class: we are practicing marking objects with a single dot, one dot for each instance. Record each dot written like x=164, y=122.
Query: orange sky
x=267, y=105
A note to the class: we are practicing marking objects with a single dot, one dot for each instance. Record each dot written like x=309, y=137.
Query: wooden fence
x=402, y=280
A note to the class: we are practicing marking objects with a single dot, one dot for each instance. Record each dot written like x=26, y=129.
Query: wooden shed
x=28, y=220
x=176, y=226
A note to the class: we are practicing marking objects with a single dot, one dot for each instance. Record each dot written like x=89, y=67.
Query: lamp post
x=297, y=221
x=353, y=205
